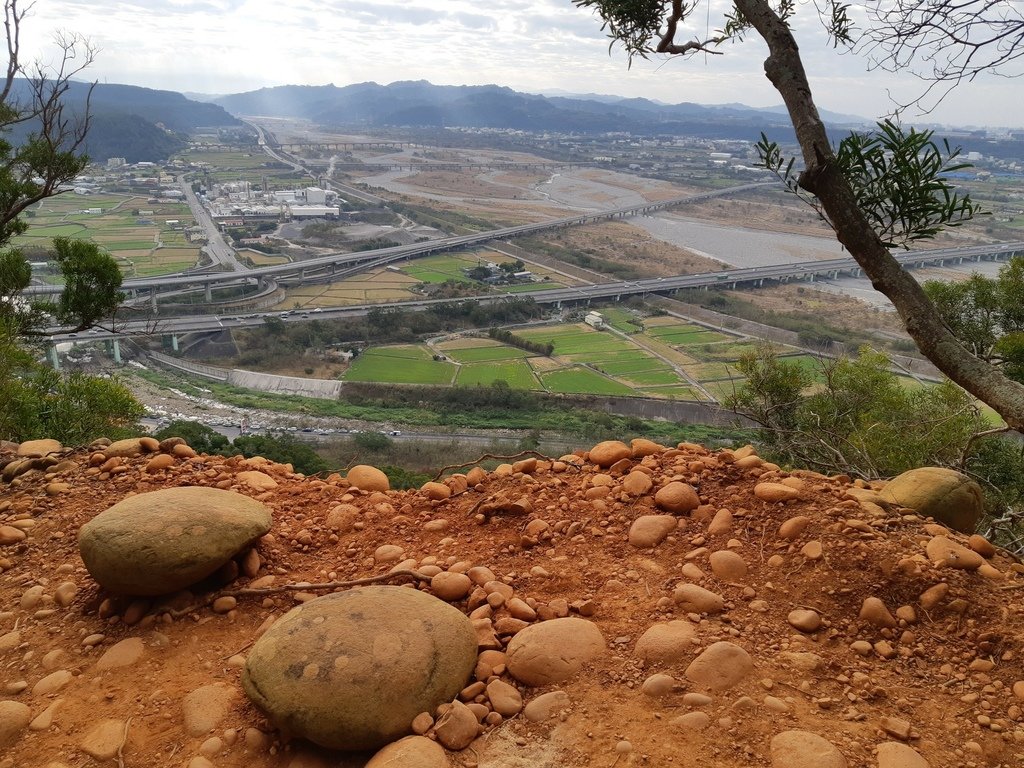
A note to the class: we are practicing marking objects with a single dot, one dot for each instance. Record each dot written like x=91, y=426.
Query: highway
x=340, y=263
x=830, y=268
x=222, y=254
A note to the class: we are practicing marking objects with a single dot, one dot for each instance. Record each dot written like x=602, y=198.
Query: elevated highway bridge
x=616, y=290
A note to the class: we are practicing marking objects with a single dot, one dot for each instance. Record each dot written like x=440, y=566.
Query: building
x=595, y=320
x=316, y=196
x=312, y=211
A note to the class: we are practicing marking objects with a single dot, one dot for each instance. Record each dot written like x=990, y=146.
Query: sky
x=231, y=46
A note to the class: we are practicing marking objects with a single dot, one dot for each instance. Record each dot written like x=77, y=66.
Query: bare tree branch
x=946, y=42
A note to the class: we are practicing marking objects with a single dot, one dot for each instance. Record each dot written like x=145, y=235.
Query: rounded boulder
x=610, y=451
x=949, y=496
x=677, y=497
x=410, y=752
x=553, y=650
x=159, y=542
x=351, y=670
x=803, y=749
x=367, y=478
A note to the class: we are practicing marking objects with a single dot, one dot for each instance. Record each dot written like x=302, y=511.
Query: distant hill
x=135, y=123
x=423, y=104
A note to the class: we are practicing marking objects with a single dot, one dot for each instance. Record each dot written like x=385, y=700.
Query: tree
x=847, y=186
x=945, y=41
x=374, y=442
x=37, y=402
x=34, y=95
x=987, y=315
x=34, y=400
x=858, y=419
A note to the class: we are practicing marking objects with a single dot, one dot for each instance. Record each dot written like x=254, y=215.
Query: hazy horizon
x=233, y=46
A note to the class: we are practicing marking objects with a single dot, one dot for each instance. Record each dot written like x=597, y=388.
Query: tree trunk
x=785, y=70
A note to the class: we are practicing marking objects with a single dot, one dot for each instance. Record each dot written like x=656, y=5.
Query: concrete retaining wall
x=322, y=389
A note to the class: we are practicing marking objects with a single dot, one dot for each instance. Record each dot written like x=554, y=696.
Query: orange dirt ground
x=946, y=680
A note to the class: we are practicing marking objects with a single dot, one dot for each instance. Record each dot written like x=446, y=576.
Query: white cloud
x=224, y=46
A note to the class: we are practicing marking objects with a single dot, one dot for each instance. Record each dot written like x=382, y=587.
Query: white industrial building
x=316, y=196
x=312, y=211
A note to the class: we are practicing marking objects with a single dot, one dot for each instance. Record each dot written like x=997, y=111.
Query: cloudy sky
x=229, y=46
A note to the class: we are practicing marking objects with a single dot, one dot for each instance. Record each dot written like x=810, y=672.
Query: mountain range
x=131, y=122
x=145, y=124
x=422, y=104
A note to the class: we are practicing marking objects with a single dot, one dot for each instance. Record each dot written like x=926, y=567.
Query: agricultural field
x=402, y=364
x=133, y=230
x=377, y=286
x=260, y=259
x=397, y=284
x=589, y=361
x=671, y=358
x=622, y=320
x=516, y=373
x=579, y=380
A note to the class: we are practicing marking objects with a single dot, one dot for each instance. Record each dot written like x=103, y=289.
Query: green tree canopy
x=987, y=315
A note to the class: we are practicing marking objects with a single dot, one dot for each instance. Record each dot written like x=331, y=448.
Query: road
x=616, y=290
x=221, y=253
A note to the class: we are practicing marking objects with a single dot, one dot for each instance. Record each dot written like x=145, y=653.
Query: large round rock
x=949, y=496
x=352, y=669
x=160, y=542
x=553, y=651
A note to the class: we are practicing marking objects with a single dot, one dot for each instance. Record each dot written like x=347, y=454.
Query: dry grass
x=837, y=308
x=623, y=243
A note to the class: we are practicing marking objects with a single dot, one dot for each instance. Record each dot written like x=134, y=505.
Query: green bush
x=372, y=441
x=283, y=449
x=201, y=438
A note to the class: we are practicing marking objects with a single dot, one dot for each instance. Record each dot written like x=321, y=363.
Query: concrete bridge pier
x=115, y=349
x=152, y=301
x=208, y=292
x=51, y=355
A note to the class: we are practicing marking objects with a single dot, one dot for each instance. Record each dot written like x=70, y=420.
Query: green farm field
x=579, y=380
x=492, y=352
x=400, y=365
x=516, y=374
x=585, y=361
x=254, y=167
